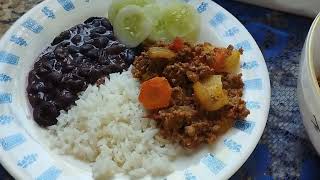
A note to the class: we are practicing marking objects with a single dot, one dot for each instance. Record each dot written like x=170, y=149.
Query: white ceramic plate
x=25, y=154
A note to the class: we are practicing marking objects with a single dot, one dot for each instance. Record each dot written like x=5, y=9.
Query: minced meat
x=184, y=121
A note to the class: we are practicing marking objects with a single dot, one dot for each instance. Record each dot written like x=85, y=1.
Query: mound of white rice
x=107, y=128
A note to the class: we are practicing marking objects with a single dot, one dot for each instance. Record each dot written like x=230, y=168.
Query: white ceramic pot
x=308, y=88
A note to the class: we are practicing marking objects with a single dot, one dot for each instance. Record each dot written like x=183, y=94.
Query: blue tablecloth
x=284, y=151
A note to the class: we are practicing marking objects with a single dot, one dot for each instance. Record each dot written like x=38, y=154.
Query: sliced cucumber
x=132, y=26
x=143, y=3
x=193, y=36
x=117, y=5
x=176, y=20
x=153, y=11
x=160, y=31
x=181, y=19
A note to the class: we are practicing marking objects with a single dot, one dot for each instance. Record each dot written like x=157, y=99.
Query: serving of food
x=138, y=91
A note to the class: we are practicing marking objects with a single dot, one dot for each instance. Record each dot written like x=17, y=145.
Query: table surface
x=284, y=151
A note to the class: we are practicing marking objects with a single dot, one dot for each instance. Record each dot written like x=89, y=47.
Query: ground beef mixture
x=184, y=121
x=77, y=57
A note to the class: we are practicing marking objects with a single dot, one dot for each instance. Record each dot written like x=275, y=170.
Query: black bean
x=75, y=55
x=63, y=36
x=41, y=72
x=49, y=55
x=110, y=35
x=37, y=87
x=76, y=84
x=94, y=35
x=84, y=71
x=48, y=86
x=45, y=114
x=64, y=44
x=35, y=99
x=61, y=52
x=88, y=40
x=104, y=59
x=58, y=66
x=76, y=39
x=49, y=64
x=100, y=42
x=85, y=48
x=129, y=56
x=106, y=23
x=79, y=59
x=68, y=68
x=80, y=28
x=115, y=68
x=93, y=53
x=65, y=97
x=38, y=64
x=96, y=23
x=32, y=76
x=94, y=74
x=115, y=49
x=55, y=76
x=66, y=76
x=73, y=49
x=57, y=40
x=99, y=30
x=89, y=20
x=113, y=43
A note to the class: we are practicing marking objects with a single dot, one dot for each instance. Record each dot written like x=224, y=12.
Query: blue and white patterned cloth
x=284, y=151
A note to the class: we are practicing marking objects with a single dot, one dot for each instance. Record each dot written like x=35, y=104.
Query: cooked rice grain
x=107, y=128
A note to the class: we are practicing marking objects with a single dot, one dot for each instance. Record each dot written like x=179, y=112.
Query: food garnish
x=117, y=5
x=166, y=21
x=132, y=26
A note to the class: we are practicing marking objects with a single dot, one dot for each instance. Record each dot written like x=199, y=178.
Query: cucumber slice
x=181, y=19
x=153, y=11
x=143, y=3
x=193, y=36
x=160, y=32
x=132, y=26
x=177, y=20
x=117, y=5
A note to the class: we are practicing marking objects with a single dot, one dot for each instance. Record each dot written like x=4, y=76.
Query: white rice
x=107, y=128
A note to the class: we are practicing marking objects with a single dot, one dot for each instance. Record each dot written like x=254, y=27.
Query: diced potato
x=160, y=53
x=232, y=63
x=210, y=93
x=207, y=47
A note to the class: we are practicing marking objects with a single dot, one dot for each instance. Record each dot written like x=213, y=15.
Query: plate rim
x=10, y=166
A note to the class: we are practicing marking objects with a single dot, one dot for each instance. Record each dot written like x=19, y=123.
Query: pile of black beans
x=76, y=58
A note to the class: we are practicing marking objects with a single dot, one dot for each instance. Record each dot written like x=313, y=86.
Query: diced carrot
x=155, y=93
x=177, y=44
x=219, y=59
